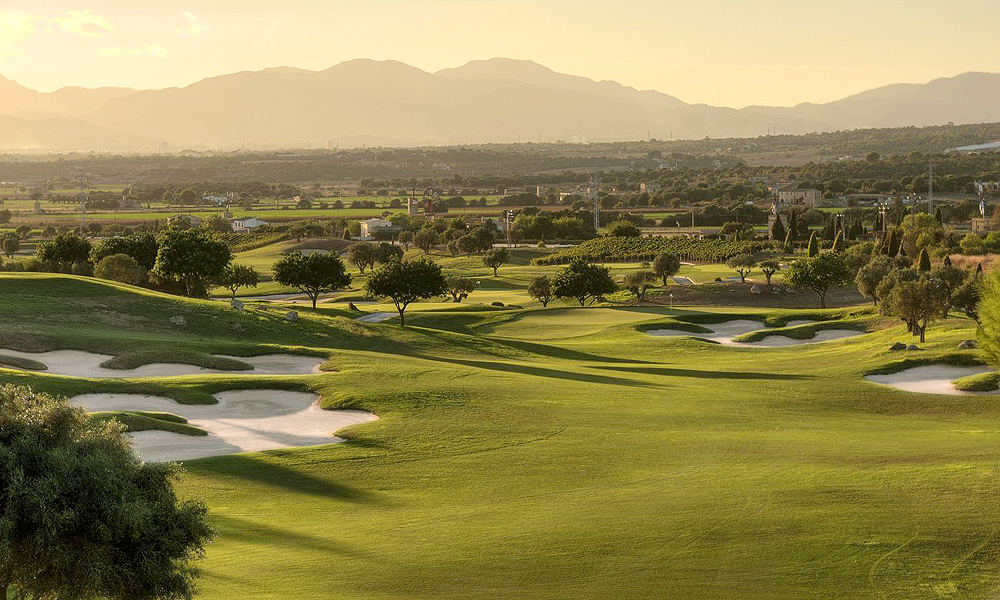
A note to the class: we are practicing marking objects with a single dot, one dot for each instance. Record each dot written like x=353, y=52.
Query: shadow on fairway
x=543, y=372
x=236, y=528
x=669, y=372
x=267, y=472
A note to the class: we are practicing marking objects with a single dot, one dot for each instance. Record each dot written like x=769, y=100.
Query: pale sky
x=721, y=52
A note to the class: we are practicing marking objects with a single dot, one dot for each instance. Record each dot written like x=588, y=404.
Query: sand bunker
x=376, y=317
x=931, y=379
x=75, y=363
x=242, y=421
x=723, y=333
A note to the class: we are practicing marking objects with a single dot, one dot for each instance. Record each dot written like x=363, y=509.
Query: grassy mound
x=983, y=382
x=18, y=362
x=134, y=360
x=150, y=421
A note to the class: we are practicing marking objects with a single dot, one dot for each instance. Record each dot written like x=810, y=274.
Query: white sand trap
x=242, y=421
x=723, y=333
x=75, y=363
x=376, y=317
x=931, y=379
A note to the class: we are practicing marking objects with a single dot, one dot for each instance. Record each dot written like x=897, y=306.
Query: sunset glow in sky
x=721, y=52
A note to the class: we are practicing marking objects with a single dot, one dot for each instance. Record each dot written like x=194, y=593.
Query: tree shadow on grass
x=566, y=353
x=672, y=372
x=263, y=471
x=522, y=369
x=233, y=527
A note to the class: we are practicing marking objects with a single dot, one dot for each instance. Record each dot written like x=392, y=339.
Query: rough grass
x=982, y=382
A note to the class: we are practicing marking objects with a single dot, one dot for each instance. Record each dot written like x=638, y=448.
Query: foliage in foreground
x=81, y=516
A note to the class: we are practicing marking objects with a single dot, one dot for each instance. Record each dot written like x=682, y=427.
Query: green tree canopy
x=495, y=257
x=192, y=257
x=819, y=274
x=581, y=280
x=405, y=281
x=540, y=288
x=239, y=276
x=314, y=274
x=81, y=516
x=666, y=265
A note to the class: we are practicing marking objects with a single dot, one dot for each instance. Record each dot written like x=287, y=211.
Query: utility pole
x=595, y=185
x=930, y=189
x=81, y=185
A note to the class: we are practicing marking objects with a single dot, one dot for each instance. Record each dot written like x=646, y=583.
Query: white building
x=369, y=227
x=247, y=224
x=650, y=188
x=789, y=195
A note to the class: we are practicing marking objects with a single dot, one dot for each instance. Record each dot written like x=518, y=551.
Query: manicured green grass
x=983, y=382
x=563, y=453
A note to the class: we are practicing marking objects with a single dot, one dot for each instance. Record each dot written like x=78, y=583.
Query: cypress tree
x=979, y=269
x=937, y=215
x=813, y=247
x=924, y=263
x=838, y=243
x=793, y=225
x=778, y=229
x=893, y=245
x=947, y=261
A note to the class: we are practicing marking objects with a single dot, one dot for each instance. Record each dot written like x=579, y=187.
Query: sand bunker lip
x=76, y=363
x=242, y=421
x=723, y=333
x=931, y=379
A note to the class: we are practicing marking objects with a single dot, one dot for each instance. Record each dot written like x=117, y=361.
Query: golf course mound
x=77, y=363
x=242, y=421
x=932, y=379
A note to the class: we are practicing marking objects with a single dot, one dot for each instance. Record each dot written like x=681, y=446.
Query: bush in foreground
x=81, y=516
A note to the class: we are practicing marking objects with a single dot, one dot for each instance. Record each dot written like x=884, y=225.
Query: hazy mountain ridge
x=498, y=100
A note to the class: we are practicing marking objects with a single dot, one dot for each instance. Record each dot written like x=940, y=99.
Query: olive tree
x=314, y=275
x=540, y=288
x=872, y=274
x=918, y=302
x=639, y=282
x=239, y=276
x=121, y=268
x=363, y=255
x=769, y=267
x=426, y=238
x=10, y=243
x=81, y=516
x=581, y=280
x=459, y=287
x=819, y=274
x=495, y=257
x=742, y=264
x=192, y=257
x=405, y=281
x=666, y=265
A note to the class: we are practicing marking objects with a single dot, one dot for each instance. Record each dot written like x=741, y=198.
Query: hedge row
x=619, y=249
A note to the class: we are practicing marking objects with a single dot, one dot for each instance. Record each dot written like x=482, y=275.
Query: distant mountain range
x=389, y=103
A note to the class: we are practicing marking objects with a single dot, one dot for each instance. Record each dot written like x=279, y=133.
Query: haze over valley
x=388, y=103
